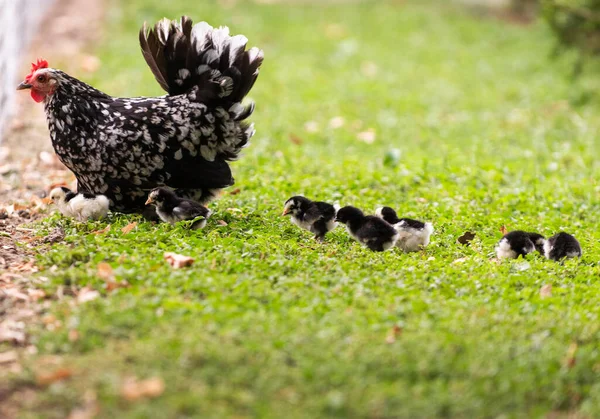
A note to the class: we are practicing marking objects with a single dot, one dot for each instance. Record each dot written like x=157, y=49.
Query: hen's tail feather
x=182, y=56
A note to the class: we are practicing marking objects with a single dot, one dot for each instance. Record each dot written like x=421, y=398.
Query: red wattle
x=37, y=96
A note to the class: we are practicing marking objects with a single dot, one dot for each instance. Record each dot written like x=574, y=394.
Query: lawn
x=475, y=127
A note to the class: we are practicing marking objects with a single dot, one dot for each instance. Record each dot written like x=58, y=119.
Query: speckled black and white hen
x=369, y=230
x=125, y=147
x=414, y=235
x=562, y=245
x=314, y=216
x=172, y=209
x=519, y=243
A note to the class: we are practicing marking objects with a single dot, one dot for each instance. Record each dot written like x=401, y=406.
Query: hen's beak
x=286, y=212
x=23, y=86
x=149, y=201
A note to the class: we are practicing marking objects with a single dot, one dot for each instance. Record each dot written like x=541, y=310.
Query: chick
x=369, y=230
x=314, y=216
x=562, y=245
x=414, y=234
x=519, y=243
x=171, y=209
x=81, y=206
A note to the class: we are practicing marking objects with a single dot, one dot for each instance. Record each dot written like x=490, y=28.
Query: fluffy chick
x=414, y=234
x=562, y=245
x=314, y=216
x=81, y=206
x=369, y=230
x=519, y=243
x=171, y=209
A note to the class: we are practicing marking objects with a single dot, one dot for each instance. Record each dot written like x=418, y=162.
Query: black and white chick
x=81, y=206
x=562, y=245
x=369, y=230
x=519, y=243
x=314, y=216
x=171, y=209
x=414, y=234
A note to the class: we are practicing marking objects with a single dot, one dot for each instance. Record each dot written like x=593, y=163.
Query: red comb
x=36, y=66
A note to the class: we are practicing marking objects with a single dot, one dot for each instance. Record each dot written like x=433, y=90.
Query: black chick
x=562, y=245
x=369, y=230
x=171, y=209
x=314, y=216
x=414, y=234
x=519, y=243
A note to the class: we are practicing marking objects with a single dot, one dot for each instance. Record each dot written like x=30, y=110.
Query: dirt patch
x=28, y=168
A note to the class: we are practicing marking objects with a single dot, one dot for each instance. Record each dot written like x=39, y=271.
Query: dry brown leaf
x=222, y=223
x=570, y=359
x=105, y=272
x=46, y=378
x=87, y=294
x=104, y=230
x=178, y=261
x=367, y=136
x=73, y=335
x=295, y=139
x=466, y=238
x=546, y=291
x=235, y=191
x=8, y=357
x=503, y=230
x=394, y=333
x=133, y=390
x=129, y=227
x=311, y=126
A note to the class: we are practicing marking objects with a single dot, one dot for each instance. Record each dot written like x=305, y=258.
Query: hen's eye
x=41, y=78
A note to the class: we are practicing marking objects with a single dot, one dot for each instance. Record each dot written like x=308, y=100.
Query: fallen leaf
x=466, y=238
x=87, y=294
x=47, y=378
x=222, y=223
x=394, y=332
x=337, y=122
x=10, y=335
x=8, y=357
x=570, y=359
x=367, y=136
x=129, y=227
x=104, y=230
x=311, y=126
x=546, y=291
x=178, y=261
x=235, y=191
x=503, y=230
x=295, y=139
x=105, y=272
x=132, y=389
x=73, y=335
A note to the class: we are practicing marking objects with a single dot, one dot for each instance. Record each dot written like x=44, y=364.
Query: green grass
x=269, y=323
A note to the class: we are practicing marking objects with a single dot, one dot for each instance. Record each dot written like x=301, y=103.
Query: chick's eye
x=41, y=78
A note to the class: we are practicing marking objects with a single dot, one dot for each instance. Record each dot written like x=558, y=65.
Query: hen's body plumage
x=125, y=147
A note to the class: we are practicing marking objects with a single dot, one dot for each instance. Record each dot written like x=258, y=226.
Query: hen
x=125, y=147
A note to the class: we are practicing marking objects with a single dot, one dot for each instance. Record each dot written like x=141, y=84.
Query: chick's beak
x=286, y=212
x=149, y=201
x=24, y=85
